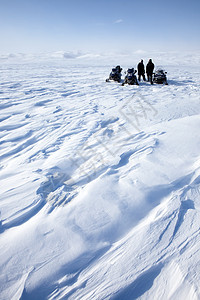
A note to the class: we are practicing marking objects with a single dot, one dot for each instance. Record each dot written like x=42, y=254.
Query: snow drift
x=99, y=184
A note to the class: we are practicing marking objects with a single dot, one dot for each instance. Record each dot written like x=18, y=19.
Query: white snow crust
x=100, y=183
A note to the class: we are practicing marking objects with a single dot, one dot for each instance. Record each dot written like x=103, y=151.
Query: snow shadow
x=185, y=205
x=54, y=190
x=66, y=276
x=179, y=82
x=140, y=285
x=1, y=228
x=22, y=216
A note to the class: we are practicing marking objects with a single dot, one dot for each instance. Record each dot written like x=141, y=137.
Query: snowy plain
x=100, y=183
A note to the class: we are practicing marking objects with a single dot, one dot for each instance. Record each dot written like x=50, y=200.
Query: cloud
x=118, y=21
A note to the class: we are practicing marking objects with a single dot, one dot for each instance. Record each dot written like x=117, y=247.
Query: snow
x=99, y=182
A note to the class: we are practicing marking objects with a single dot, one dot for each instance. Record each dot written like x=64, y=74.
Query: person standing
x=149, y=70
x=141, y=70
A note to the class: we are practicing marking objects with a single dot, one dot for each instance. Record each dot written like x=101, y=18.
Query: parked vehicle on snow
x=130, y=77
x=160, y=76
x=115, y=74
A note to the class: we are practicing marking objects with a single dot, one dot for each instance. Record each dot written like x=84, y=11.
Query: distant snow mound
x=63, y=54
x=114, y=58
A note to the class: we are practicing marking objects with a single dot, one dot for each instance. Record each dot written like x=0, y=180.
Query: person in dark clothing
x=119, y=69
x=149, y=70
x=141, y=70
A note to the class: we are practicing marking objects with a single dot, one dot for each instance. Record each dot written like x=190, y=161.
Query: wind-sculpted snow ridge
x=100, y=184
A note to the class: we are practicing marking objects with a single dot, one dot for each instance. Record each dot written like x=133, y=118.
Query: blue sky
x=99, y=25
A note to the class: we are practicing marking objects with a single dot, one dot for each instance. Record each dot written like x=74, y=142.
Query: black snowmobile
x=130, y=77
x=160, y=77
x=115, y=74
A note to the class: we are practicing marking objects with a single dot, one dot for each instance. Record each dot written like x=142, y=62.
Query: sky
x=99, y=26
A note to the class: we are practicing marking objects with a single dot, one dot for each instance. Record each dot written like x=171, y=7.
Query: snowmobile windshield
x=160, y=70
x=130, y=71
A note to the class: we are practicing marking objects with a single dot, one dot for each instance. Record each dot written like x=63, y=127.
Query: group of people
x=149, y=70
x=130, y=77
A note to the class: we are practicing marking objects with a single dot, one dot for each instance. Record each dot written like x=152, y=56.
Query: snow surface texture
x=100, y=183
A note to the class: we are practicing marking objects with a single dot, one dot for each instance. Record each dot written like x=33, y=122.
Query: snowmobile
x=160, y=77
x=115, y=74
x=130, y=78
